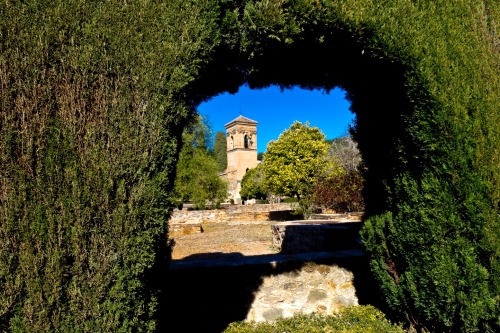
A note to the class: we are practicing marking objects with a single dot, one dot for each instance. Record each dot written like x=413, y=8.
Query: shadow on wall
x=312, y=236
x=284, y=215
x=203, y=294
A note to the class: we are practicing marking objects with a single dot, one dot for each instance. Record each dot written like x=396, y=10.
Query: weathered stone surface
x=352, y=216
x=220, y=291
x=313, y=288
x=273, y=314
x=234, y=213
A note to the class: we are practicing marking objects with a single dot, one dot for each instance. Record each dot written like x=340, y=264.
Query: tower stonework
x=241, y=135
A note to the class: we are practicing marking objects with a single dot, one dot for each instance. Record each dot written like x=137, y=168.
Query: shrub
x=251, y=185
x=342, y=193
x=357, y=319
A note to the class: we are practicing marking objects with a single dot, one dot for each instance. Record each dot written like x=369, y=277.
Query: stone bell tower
x=241, y=135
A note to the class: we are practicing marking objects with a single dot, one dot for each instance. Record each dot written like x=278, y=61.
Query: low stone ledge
x=315, y=236
x=269, y=287
x=353, y=216
x=266, y=259
x=318, y=288
x=267, y=212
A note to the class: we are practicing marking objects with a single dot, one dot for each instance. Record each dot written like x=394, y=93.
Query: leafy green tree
x=295, y=161
x=197, y=180
x=251, y=184
x=197, y=177
x=220, y=150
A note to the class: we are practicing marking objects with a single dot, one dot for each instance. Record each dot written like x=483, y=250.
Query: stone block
x=315, y=236
x=315, y=287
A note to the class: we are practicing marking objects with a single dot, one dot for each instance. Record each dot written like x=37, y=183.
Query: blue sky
x=275, y=111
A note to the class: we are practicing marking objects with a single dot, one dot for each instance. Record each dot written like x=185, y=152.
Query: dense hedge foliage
x=91, y=111
x=358, y=319
x=94, y=96
x=424, y=82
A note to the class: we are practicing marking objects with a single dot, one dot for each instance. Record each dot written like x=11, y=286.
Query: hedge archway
x=94, y=97
x=426, y=126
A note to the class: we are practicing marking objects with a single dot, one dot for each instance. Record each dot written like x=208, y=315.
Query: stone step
x=316, y=236
x=353, y=216
x=211, y=293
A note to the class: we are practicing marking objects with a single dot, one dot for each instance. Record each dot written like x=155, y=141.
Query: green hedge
x=91, y=115
x=424, y=82
x=94, y=96
x=355, y=319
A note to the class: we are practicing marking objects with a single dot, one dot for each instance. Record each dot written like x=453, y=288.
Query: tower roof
x=241, y=120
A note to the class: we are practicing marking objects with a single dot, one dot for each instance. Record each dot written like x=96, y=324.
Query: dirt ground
x=221, y=239
x=236, y=238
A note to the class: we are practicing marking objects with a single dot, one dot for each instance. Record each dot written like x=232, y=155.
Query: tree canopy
x=251, y=184
x=341, y=191
x=197, y=177
x=346, y=151
x=294, y=162
x=197, y=180
x=198, y=134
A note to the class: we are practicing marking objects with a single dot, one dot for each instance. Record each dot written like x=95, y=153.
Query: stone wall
x=211, y=294
x=316, y=236
x=315, y=288
x=235, y=213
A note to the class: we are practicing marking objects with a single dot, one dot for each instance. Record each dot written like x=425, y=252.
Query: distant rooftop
x=241, y=119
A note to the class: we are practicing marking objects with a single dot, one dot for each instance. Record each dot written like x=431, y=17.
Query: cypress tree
x=220, y=150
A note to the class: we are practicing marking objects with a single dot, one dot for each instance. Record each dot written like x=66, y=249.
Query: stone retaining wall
x=235, y=213
x=316, y=236
x=211, y=294
x=315, y=288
